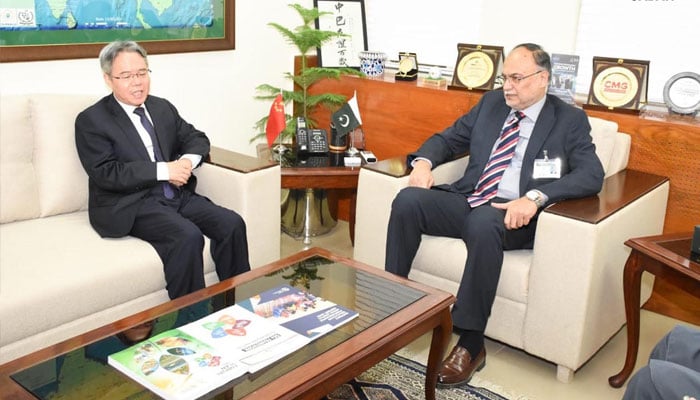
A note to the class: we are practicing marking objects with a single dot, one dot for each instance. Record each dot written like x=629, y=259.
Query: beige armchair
x=562, y=300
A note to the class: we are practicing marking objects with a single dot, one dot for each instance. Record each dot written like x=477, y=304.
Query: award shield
x=476, y=67
x=618, y=84
x=474, y=70
x=682, y=93
x=616, y=87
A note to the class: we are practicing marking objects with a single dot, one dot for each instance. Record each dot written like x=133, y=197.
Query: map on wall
x=104, y=14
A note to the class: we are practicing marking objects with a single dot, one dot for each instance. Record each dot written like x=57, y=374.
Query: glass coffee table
x=392, y=313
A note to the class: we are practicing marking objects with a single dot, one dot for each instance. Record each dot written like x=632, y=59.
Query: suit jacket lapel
x=540, y=133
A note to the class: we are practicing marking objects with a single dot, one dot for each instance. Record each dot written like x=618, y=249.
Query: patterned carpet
x=398, y=378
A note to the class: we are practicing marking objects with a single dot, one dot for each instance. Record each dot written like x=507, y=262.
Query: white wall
x=549, y=23
x=393, y=27
x=212, y=90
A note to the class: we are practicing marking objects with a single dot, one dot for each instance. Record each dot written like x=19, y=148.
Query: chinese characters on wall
x=346, y=18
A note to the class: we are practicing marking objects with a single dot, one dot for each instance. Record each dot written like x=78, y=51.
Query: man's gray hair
x=110, y=51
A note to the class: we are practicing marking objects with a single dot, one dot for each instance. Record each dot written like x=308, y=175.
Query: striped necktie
x=168, y=189
x=487, y=186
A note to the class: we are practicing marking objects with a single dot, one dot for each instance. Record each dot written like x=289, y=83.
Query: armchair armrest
x=396, y=167
x=236, y=161
x=618, y=191
x=377, y=186
x=575, y=298
x=251, y=187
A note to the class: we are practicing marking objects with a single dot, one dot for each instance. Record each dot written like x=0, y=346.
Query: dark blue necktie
x=168, y=189
x=487, y=186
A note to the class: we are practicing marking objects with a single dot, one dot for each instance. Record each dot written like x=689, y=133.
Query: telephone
x=310, y=140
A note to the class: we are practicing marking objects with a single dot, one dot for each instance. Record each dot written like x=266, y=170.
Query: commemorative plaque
x=618, y=84
x=682, y=93
x=476, y=67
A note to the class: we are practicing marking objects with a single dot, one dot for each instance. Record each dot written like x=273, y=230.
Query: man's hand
x=421, y=175
x=180, y=171
x=519, y=212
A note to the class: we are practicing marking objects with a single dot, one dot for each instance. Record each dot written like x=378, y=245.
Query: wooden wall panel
x=397, y=116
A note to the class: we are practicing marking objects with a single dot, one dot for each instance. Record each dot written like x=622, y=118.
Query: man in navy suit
x=553, y=159
x=139, y=155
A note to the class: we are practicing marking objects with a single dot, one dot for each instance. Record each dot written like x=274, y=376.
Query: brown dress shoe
x=458, y=367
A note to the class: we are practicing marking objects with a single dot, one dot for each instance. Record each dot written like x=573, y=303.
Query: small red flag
x=276, y=122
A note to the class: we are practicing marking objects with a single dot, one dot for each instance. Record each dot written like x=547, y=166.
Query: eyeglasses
x=516, y=79
x=129, y=76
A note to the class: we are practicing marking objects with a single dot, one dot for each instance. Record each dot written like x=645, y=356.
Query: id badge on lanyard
x=547, y=168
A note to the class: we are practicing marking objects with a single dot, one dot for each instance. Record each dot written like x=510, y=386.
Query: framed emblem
x=682, y=93
x=618, y=84
x=476, y=67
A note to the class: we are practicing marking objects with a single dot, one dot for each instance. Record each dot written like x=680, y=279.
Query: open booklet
x=193, y=360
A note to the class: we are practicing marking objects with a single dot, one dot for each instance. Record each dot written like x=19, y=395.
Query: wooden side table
x=666, y=256
x=330, y=174
x=324, y=178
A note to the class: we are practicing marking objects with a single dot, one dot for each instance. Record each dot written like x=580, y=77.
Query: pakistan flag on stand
x=347, y=118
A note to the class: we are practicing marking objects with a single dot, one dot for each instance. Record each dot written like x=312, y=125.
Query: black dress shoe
x=459, y=366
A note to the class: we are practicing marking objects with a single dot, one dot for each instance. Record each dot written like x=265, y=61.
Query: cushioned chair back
x=612, y=147
x=41, y=171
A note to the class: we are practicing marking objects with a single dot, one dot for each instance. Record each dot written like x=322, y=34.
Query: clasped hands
x=179, y=171
x=519, y=212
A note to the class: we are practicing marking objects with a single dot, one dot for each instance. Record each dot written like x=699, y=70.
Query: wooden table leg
x=438, y=345
x=632, y=278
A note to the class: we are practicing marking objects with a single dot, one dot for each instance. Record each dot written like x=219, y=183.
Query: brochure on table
x=176, y=366
x=252, y=341
x=196, y=358
x=299, y=311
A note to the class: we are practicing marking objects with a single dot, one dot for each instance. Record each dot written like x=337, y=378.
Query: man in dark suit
x=527, y=150
x=139, y=155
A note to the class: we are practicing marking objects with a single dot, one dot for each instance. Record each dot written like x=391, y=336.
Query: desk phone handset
x=310, y=140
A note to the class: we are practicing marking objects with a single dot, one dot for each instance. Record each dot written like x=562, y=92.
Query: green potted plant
x=306, y=38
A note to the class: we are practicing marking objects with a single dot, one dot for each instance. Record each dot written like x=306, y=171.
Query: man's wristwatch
x=536, y=196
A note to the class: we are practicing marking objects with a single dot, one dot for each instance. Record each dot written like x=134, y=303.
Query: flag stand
x=352, y=151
